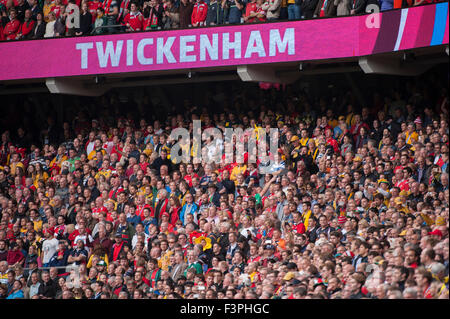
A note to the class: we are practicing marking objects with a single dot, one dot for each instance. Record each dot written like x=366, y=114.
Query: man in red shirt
x=134, y=19
x=199, y=13
x=27, y=26
x=12, y=27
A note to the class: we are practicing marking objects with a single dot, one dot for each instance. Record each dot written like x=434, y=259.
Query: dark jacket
x=48, y=289
x=359, y=6
x=308, y=7
x=330, y=8
x=85, y=23
x=215, y=14
x=185, y=14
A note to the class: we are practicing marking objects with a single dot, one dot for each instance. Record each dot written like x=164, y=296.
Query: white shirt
x=49, y=248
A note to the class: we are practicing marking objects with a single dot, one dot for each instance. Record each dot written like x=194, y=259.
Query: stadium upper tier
x=304, y=40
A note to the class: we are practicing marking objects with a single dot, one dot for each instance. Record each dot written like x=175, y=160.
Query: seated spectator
x=12, y=27
x=26, y=28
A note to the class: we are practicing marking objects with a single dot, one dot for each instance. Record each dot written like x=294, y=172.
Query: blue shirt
x=16, y=295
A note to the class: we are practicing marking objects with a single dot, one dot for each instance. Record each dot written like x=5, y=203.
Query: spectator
x=215, y=13
x=38, y=33
x=358, y=7
x=154, y=15
x=185, y=9
x=273, y=8
x=325, y=8
x=234, y=11
x=86, y=20
x=111, y=9
x=199, y=13
x=386, y=5
x=50, y=26
x=171, y=15
x=100, y=21
x=308, y=7
x=294, y=9
x=13, y=26
x=25, y=31
x=134, y=19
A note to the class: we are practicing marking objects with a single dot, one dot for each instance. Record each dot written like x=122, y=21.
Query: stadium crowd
x=358, y=207
x=36, y=19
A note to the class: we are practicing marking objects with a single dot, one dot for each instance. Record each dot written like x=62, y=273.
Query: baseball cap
x=436, y=232
x=101, y=262
x=289, y=276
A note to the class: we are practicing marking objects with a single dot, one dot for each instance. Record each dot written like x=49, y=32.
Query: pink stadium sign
x=228, y=45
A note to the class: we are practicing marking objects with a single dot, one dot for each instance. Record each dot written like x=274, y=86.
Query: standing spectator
x=199, y=13
x=273, y=8
x=294, y=9
x=86, y=20
x=234, y=11
x=154, y=15
x=358, y=7
x=171, y=15
x=308, y=7
x=134, y=19
x=185, y=10
x=325, y=8
x=386, y=5
x=250, y=12
x=47, y=8
x=111, y=8
x=60, y=23
x=215, y=13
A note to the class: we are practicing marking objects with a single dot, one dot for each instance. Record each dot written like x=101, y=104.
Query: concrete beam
x=74, y=87
x=391, y=65
x=265, y=73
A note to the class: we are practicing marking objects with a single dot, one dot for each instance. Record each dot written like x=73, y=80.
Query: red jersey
x=26, y=27
x=199, y=13
x=135, y=20
x=11, y=29
x=251, y=8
